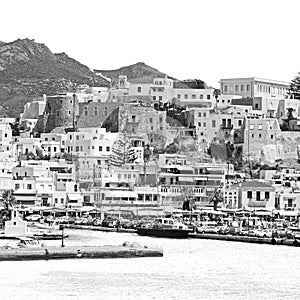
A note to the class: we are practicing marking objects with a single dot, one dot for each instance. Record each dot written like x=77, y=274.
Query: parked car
x=33, y=218
x=207, y=228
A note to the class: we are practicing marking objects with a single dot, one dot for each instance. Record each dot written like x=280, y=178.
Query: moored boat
x=165, y=227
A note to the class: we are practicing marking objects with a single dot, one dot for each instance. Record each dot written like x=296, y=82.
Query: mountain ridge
x=29, y=69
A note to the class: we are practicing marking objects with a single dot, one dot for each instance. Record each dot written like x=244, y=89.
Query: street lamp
x=62, y=234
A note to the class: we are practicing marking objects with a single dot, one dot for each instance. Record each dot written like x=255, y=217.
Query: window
x=107, y=148
x=251, y=126
x=5, y=135
x=46, y=139
x=100, y=148
x=256, y=105
x=267, y=195
x=139, y=89
x=186, y=96
x=154, y=97
x=208, y=97
x=236, y=88
x=271, y=136
x=225, y=88
x=159, y=97
x=96, y=111
x=77, y=148
x=199, y=115
x=85, y=111
x=201, y=96
x=213, y=123
x=57, y=113
x=260, y=127
x=193, y=96
x=252, y=135
x=249, y=194
x=204, y=115
x=239, y=122
x=248, y=87
x=29, y=186
x=77, y=137
x=17, y=186
x=242, y=87
x=259, y=135
x=204, y=124
x=133, y=118
x=150, y=120
x=199, y=124
x=69, y=112
x=178, y=96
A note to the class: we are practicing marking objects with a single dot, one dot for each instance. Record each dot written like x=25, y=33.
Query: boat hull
x=164, y=232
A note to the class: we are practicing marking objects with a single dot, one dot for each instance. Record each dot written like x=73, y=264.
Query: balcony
x=257, y=204
x=226, y=126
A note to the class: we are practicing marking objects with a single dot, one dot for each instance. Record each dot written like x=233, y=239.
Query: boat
x=165, y=227
x=50, y=235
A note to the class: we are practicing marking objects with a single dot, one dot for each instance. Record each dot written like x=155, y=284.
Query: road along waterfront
x=190, y=269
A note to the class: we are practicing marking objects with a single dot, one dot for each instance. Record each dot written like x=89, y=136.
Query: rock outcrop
x=29, y=69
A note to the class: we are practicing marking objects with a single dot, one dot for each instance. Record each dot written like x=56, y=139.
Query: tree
x=216, y=94
x=8, y=199
x=216, y=198
x=295, y=87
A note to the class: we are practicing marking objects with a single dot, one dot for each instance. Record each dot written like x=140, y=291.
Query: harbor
x=210, y=265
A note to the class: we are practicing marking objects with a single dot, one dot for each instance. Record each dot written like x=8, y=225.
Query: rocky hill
x=137, y=70
x=29, y=69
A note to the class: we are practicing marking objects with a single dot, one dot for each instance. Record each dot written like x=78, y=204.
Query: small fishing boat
x=165, y=227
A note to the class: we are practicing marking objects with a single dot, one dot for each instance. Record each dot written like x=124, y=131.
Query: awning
x=186, y=179
x=184, y=168
x=288, y=213
x=74, y=197
x=121, y=194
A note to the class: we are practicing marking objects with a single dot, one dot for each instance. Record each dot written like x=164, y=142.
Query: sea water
x=189, y=269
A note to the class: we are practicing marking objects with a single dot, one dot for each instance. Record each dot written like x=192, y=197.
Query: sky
x=207, y=40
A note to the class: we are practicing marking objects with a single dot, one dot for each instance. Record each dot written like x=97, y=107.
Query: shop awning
x=74, y=197
x=120, y=194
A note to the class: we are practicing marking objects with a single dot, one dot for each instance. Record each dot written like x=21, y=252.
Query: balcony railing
x=228, y=126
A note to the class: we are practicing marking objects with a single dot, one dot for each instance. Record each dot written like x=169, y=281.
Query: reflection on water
x=190, y=269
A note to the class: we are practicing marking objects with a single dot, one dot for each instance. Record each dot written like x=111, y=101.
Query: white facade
x=254, y=87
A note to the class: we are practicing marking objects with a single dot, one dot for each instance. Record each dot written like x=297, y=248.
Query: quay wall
x=48, y=253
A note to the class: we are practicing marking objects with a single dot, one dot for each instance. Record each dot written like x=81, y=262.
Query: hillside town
x=153, y=145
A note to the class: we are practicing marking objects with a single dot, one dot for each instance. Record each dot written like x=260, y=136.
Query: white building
x=254, y=87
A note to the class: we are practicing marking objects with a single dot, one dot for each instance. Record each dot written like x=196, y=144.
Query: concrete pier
x=72, y=252
x=246, y=239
